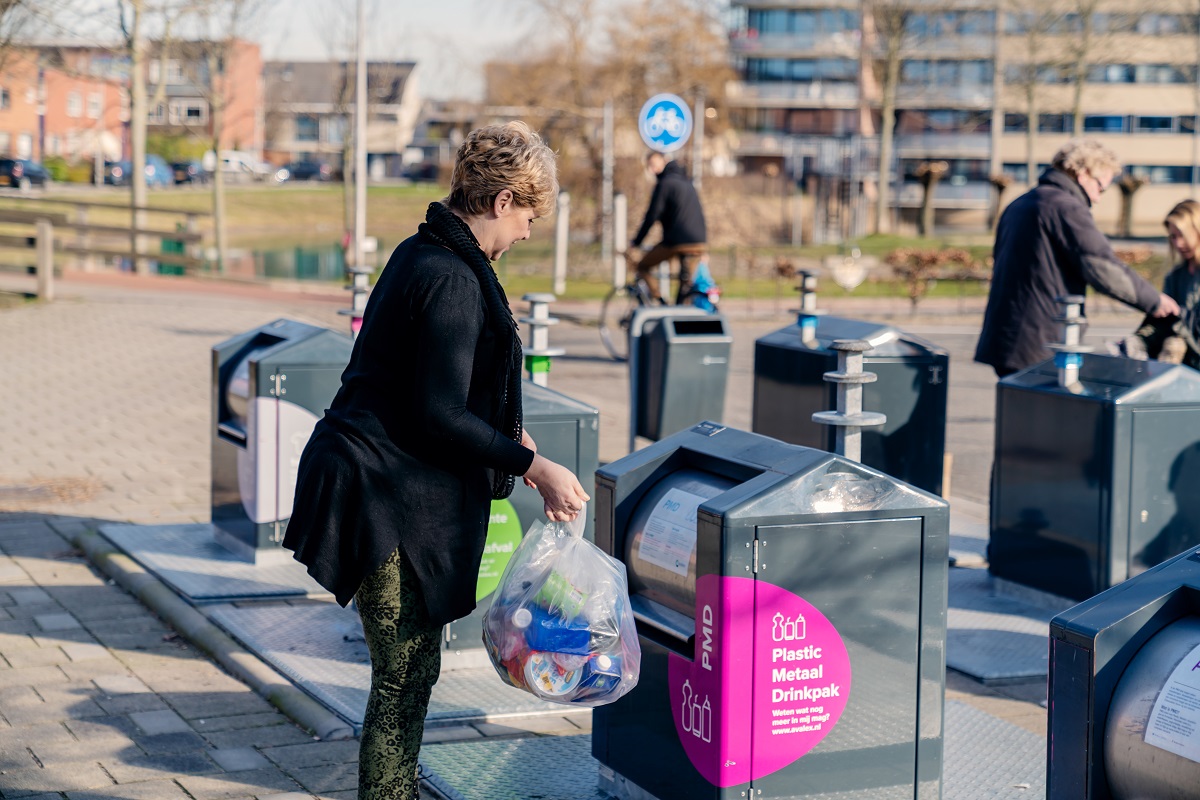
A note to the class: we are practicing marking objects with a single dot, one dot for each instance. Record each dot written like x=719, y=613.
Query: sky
x=449, y=39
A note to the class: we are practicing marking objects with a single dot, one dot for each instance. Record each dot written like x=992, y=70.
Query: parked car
x=240, y=167
x=158, y=172
x=22, y=173
x=189, y=172
x=304, y=171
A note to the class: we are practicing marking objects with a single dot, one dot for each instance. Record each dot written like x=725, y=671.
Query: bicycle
x=616, y=312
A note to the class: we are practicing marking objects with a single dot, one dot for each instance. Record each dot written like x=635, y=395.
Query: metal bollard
x=849, y=417
x=360, y=290
x=1068, y=354
x=539, y=352
x=807, y=317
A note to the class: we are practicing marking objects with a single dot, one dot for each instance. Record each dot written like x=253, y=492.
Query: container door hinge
x=756, y=556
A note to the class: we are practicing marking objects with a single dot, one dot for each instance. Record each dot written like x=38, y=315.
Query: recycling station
x=1097, y=460
x=791, y=607
x=911, y=390
x=567, y=432
x=1124, y=690
x=270, y=386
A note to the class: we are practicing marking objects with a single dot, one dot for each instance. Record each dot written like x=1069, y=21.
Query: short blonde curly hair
x=1086, y=155
x=498, y=157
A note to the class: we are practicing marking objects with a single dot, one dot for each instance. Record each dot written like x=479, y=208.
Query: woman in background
x=1174, y=339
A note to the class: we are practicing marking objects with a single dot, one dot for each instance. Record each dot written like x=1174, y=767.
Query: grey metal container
x=270, y=385
x=726, y=535
x=1118, y=715
x=567, y=432
x=1096, y=482
x=911, y=391
x=679, y=370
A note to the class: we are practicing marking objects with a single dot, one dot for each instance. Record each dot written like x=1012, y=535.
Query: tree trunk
x=138, y=113
x=217, y=112
x=887, y=133
x=925, y=221
x=1031, y=125
x=1085, y=49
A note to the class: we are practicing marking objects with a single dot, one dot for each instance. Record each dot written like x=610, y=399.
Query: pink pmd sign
x=769, y=681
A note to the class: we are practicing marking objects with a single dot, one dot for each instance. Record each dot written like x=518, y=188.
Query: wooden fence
x=87, y=242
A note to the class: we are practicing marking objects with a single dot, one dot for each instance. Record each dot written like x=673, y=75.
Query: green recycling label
x=503, y=536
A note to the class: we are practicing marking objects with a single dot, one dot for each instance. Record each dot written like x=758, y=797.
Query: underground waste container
x=791, y=607
x=1124, y=690
x=911, y=390
x=678, y=368
x=567, y=432
x=1095, y=481
x=270, y=385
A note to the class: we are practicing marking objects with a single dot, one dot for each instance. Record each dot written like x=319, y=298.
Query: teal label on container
x=503, y=536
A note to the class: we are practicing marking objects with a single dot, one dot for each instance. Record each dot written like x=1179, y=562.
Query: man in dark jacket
x=1047, y=246
x=677, y=206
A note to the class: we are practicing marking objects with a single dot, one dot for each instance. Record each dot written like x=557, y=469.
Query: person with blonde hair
x=1175, y=340
x=395, y=486
x=1048, y=245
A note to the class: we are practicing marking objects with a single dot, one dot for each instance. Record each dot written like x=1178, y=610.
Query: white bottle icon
x=788, y=630
x=686, y=716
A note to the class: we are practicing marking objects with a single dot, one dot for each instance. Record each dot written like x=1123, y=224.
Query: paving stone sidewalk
x=100, y=699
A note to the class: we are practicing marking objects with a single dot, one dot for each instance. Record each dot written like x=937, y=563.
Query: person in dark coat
x=1047, y=246
x=676, y=205
x=395, y=485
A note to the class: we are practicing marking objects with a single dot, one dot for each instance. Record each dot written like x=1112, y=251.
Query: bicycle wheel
x=615, y=313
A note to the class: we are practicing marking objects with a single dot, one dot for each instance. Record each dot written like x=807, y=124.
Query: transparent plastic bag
x=560, y=626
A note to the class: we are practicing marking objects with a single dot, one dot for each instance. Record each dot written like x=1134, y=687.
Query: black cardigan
x=1048, y=245
x=400, y=458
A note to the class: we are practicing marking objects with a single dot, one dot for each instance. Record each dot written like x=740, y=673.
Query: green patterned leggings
x=406, y=658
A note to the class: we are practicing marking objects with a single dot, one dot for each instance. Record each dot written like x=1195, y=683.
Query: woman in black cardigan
x=396, y=483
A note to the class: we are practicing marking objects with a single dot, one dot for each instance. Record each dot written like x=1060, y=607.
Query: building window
x=1016, y=123
x=1055, y=123
x=5, y=142
x=1187, y=124
x=5, y=100
x=1153, y=124
x=1161, y=173
x=960, y=170
x=1104, y=123
x=308, y=128
x=74, y=105
x=157, y=115
x=53, y=146
x=804, y=70
x=335, y=129
x=1111, y=73
x=189, y=111
x=25, y=145
x=95, y=105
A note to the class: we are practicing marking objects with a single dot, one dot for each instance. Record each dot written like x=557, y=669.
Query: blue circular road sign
x=665, y=123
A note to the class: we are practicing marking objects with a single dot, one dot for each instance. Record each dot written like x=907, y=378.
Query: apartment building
x=808, y=71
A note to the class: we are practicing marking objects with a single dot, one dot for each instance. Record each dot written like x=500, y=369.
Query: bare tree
x=212, y=59
x=887, y=34
x=1035, y=21
x=132, y=17
x=650, y=46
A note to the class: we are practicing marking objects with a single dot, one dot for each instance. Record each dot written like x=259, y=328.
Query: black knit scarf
x=448, y=230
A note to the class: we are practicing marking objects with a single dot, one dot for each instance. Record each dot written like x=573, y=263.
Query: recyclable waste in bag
x=559, y=626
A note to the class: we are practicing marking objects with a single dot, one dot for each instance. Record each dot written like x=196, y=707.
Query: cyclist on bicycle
x=676, y=205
